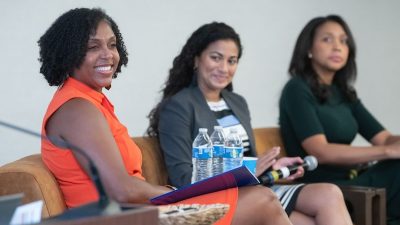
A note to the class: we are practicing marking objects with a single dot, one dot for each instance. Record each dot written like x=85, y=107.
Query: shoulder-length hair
x=181, y=74
x=300, y=64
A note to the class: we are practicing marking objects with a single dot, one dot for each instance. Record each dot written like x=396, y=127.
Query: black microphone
x=268, y=178
x=104, y=206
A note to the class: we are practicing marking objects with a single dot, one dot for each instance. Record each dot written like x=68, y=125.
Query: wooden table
x=140, y=215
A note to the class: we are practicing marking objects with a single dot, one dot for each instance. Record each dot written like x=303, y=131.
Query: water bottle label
x=233, y=152
x=202, y=153
x=219, y=151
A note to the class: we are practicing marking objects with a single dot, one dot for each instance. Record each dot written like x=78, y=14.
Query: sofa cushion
x=266, y=138
x=154, y=169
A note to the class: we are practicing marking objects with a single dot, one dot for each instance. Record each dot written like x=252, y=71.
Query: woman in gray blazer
x=198, y=93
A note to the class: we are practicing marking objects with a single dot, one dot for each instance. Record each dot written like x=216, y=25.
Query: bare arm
x=79, y=122
x=342, y=154
x=385, y=138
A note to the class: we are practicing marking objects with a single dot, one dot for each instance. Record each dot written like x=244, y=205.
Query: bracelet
x=171, y=187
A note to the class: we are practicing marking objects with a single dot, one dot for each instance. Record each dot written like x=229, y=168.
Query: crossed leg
x=320, y=203
x=259, y=205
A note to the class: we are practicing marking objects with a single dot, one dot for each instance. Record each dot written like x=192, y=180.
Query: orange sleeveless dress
x=75, y=184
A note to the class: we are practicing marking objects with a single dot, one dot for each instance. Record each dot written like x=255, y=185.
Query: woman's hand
x=290, y=161
x=266, y=160
x=393, y=151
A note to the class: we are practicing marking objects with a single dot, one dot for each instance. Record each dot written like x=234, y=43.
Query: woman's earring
x=309, y=55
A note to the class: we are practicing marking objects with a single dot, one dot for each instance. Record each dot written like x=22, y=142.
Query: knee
x=266, y=198
x=329, y=192
x=333, y=190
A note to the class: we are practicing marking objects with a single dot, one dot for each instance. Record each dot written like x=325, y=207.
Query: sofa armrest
x=366, y=205
x=30, y=176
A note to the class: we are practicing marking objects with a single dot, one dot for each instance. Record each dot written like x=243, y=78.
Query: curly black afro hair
x=63, y=47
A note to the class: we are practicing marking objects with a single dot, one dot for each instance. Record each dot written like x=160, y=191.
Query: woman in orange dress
x=81, y=53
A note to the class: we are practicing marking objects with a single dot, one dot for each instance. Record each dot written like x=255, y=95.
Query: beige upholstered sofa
x=30, y=176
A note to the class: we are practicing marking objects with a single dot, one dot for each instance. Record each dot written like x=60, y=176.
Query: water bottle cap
x=203, y=130
x=233, y=130
x=218, y=127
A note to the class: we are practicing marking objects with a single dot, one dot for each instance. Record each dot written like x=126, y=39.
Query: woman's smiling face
x=217, y=65
x=101, y=60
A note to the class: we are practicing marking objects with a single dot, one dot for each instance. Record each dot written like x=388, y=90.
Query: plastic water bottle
x=218, y=142
x=233, y=156
x=201, y=156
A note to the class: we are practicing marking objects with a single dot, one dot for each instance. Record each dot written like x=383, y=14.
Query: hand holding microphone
x=269, y=177
x=269, y=161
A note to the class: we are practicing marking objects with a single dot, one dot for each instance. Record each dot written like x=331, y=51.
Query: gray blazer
x=180, y=119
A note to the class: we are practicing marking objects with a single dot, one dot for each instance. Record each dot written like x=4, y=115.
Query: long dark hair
x=300, y=64
x=182, y=72
x=64, y=45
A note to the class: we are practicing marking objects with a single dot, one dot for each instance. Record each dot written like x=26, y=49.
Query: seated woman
x=198, y=93
x=81, y=53
x=320, y=113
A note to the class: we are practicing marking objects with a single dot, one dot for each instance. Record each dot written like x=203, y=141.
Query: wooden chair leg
x=367, y=205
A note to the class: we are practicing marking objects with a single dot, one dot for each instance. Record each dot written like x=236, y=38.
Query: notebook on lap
x=237, y=177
